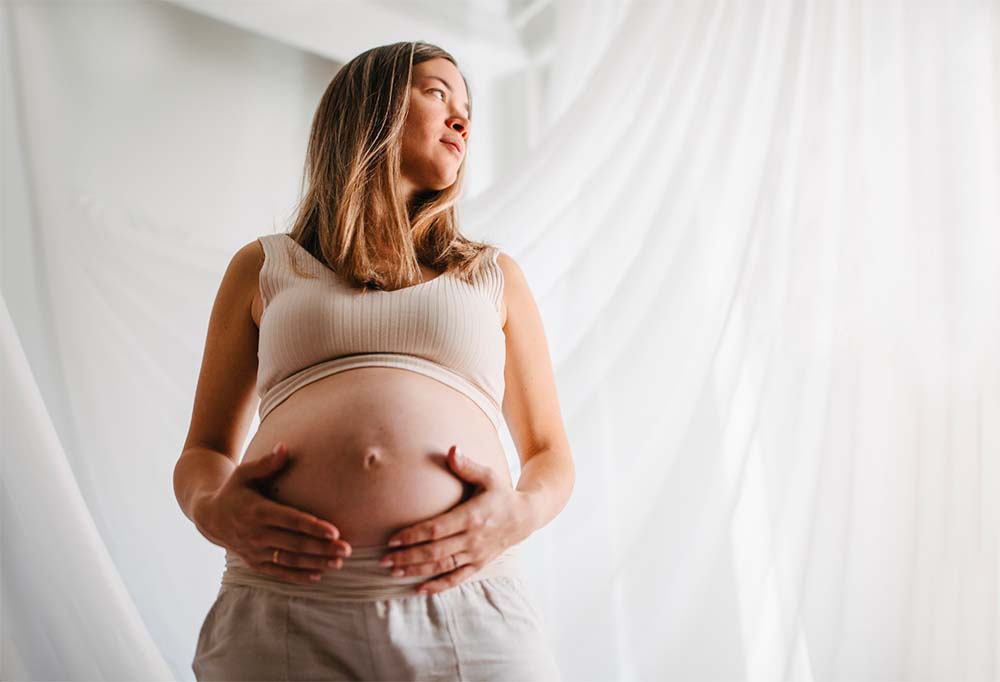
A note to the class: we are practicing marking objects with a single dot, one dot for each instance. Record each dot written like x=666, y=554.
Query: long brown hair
x=353, y=217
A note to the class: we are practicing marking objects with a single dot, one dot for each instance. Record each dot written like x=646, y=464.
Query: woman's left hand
x=466, y=537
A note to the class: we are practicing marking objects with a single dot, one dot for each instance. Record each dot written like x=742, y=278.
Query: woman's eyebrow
x=438, y=78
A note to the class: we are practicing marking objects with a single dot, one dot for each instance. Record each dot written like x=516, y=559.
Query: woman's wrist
x=529, y=514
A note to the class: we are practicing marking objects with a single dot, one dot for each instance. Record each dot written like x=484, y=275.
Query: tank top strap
x=492, y=279
x=275, y=269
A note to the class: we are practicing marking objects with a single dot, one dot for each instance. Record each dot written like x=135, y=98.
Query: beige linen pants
x=360, y=623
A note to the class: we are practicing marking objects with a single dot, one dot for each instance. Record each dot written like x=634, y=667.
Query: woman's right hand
x=244, y=521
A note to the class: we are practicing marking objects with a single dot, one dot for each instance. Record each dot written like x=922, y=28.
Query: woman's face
x=439, y=112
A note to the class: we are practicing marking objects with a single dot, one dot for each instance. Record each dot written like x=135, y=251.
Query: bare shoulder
x=248, y=261
x=530, y=402
x=515, y=287
x=250, y=255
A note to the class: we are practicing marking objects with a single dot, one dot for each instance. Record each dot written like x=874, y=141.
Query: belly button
x=372, y=460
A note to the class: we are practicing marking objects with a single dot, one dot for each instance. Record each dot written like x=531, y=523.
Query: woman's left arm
x=531, y=405
x=472, y=534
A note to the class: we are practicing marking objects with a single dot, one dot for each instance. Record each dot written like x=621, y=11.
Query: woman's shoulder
x=249, y=260
x=510, y=277
x=508, y=266
x=517, y=293
x=250, y=255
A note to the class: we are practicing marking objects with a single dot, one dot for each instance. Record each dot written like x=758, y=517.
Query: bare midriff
x=369, y=450
x=369, y=447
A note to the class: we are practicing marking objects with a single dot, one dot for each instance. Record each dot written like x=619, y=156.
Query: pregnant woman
x=371, y=527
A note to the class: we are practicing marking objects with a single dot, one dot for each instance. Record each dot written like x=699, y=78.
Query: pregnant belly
x=369, y=450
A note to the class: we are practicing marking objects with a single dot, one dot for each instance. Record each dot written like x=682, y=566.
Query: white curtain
x=764, y=240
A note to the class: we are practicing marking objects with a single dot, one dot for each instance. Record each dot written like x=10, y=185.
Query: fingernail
x=395, y=543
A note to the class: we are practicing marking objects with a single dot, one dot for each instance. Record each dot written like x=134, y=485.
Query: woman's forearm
x=546, y=481
x=198, y=473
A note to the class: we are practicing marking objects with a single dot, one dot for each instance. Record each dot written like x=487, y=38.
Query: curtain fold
x=66, y=612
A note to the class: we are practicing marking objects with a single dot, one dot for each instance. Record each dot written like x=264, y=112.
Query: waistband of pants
x=361, y=578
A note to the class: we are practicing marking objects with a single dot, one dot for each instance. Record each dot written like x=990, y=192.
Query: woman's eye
x=438, y=90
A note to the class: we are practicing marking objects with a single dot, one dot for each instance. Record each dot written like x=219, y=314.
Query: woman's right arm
x=224, y=399
x=215, y=490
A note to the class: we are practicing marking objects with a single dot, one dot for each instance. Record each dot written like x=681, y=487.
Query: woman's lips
x=451, y=145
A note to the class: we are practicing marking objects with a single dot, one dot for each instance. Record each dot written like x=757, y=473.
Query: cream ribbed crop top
x=443, y=328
